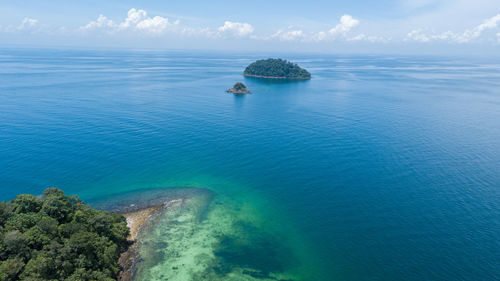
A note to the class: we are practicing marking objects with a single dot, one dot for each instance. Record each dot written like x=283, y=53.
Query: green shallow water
x=203, y=235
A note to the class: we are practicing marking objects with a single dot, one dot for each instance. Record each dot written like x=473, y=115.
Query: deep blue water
x=384, y=168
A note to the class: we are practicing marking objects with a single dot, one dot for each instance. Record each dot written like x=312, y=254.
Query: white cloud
x=139, y=21
x=420, y=36
x=339, y=31
x=236, y=28
x=367, y=38
x=476, y=32
x=27, y=23
x=464, y=37
x=136, y=20
x=347, y=22
x=134, y=17
x=320, y=36
x=155, y=25
x=292, y=35
x=417, y=35
x=101, y=22
x=196, y=32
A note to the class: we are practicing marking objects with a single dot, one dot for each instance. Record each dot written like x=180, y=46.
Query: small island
x=239, y=89
x=276, y=69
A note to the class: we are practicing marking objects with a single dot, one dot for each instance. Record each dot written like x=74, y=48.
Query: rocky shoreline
x=238, y=92
x=276, y=77
x=143, y=209
x=137, y=220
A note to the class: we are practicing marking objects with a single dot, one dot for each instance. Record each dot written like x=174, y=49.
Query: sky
x=355, y=26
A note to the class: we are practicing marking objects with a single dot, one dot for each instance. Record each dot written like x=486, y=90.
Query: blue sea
x=378, y=168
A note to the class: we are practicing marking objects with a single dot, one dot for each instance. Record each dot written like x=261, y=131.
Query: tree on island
x=239, y=86
x=277, y=69
x=58, y=237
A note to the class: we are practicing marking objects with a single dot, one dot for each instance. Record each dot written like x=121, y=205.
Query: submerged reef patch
x=201, y=236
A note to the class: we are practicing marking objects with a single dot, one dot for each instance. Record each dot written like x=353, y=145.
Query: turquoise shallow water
x=379, y=168
x=201, y=235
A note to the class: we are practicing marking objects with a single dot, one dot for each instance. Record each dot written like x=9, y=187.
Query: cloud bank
x=466, y=36
x=341, y=31
x=136, y=20
x=27, y=23
x=236, y=28
x=346, y=29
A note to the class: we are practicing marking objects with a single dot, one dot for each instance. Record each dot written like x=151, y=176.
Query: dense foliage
x=57, y=237
x=277, y=68
x=239, y=86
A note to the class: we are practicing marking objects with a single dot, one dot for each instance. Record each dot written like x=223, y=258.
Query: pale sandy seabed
x=194, y=235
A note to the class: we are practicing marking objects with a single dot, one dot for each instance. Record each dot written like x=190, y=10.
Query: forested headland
x=58, y=237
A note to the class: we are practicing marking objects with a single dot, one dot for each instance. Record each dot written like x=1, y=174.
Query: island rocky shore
x=238, y=92
x=276, y=77
x=239, y=89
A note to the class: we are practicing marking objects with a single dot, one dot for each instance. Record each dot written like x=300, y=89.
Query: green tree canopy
x=276, y=68
x=58, y=237
x=239, y=86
